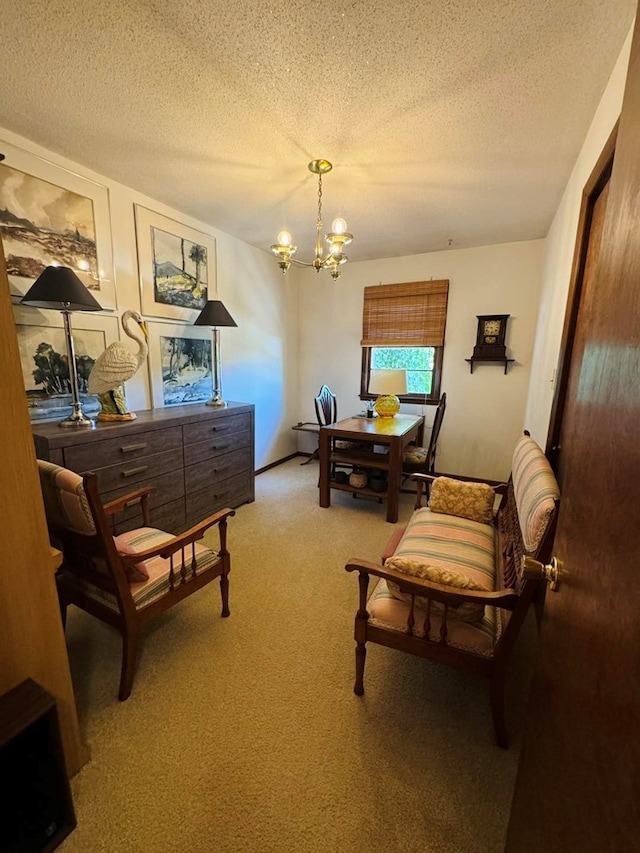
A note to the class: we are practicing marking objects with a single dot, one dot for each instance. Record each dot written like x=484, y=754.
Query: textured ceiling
x=446, y=120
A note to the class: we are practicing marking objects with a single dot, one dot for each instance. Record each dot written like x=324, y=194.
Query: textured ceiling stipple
x=444, y=119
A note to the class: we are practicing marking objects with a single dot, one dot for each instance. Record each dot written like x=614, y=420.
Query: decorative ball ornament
x=387, y=406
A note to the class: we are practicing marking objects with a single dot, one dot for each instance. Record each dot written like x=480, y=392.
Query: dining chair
x=422, y=460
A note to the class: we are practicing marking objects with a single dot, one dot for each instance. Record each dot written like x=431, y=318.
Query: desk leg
x=313, y=456
x=325, y=468
x=395, y=480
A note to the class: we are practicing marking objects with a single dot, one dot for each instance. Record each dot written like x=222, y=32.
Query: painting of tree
x=180, y=270
x=45, y=367
x=186, y=370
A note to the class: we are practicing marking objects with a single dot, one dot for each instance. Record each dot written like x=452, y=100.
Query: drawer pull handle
x=134, y=471
x=130, y=448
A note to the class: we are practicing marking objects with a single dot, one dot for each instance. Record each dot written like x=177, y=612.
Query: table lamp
x=60, y=289
x=387, y=384
x=214, y=314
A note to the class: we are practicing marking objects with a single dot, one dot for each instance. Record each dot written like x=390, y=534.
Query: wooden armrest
x=166, y=549
x=498, y=487
x=505, y=598
x=119, y=504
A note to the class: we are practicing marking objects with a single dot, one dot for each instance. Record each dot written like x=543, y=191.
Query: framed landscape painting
x=177, y=266
x=45, y=365
x=180, y=359
x=50, y=216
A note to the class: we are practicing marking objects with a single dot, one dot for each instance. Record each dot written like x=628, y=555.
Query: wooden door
x=32, y=643
x=578, y=783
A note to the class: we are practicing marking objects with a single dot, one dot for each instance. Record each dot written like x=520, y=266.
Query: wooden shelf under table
x=360, y=458
x=370, y=493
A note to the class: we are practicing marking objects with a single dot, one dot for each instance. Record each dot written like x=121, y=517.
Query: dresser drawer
x=128, y=475
x=231, y=492
x=168, y=487
x=169, y=517
x=216, y=445
x=122, y=449
x=220, y=426
x=210, y=471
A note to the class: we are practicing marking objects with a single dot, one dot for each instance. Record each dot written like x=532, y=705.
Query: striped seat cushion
x=64, y=498
x=387, y=611
x=535, y=490
x=145, y=592
x=459, y=545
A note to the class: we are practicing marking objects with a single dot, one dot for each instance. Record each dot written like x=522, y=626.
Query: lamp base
x=387, y=405
x=216, y=402
x=77, y=420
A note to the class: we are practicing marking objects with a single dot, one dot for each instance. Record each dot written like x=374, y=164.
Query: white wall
x=311, y=318
x=559, y=253
x=485, y=411
x=259, y=357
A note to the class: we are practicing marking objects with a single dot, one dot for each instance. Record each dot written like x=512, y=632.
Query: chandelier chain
x=319, y=222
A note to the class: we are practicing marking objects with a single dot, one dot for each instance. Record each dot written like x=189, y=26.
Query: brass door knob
x=534, y=570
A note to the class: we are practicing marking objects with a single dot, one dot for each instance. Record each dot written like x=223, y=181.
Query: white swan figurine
x=115, y=366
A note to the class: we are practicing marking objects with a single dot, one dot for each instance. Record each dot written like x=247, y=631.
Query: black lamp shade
x=60, y=288
x=214, y=314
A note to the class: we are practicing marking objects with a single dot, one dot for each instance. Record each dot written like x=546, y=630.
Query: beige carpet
x=244, y=734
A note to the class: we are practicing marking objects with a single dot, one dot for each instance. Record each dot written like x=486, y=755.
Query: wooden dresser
x=199, y=459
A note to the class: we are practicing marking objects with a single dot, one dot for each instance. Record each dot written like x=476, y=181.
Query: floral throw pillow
x=468, y=611
x=466, y=500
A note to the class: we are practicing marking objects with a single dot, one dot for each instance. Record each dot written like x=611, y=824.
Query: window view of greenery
x=417, y=361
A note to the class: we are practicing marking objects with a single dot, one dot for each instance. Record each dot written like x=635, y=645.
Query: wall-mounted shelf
x=505, y=361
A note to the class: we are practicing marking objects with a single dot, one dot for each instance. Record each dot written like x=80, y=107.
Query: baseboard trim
x=280, y=461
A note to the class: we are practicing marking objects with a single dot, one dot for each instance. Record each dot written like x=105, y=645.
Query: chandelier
x=337, y=238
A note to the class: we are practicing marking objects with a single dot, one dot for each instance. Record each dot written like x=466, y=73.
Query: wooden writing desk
x=308, y=426
x=392, y=433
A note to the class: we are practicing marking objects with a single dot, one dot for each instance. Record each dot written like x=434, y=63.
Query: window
x=403, y=328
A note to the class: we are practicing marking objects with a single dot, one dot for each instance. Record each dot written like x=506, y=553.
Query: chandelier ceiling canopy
x=337, y=238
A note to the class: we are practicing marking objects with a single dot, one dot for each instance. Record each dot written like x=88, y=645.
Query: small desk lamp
x=215, y=314
x=388, y=384
x=60, y=289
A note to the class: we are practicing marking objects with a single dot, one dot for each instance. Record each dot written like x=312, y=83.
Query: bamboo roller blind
x=413, y=314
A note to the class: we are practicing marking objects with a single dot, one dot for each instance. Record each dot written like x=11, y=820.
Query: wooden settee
x=409, y=603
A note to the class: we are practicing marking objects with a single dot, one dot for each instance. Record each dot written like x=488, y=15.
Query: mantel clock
x=490, y=345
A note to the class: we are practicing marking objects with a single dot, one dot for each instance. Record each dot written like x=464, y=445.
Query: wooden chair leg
x=130, y=637
x=497, y=709
x=224, y=591
x=361, y=655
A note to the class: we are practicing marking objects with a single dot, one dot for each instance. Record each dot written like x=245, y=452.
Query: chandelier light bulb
x=339, y=225
x=284, y=238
